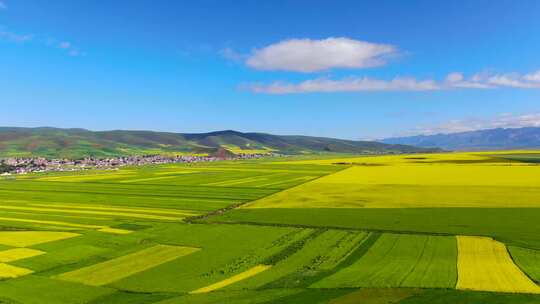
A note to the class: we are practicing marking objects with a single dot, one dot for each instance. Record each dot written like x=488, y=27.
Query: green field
x=350, y=230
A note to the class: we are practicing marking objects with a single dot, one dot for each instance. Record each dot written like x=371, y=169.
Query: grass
x=226, y=251
x=33, y=289
x=485, y=265
x=237, y=297
x=124, y=266
x=505, y=224
x=445, y=296
x=303, y=260
x=375, y=296
x=316, y=259
x=528, y=260
x=400, y=261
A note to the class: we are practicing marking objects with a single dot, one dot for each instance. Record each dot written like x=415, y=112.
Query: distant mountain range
x=78, y=143
x=495, y=139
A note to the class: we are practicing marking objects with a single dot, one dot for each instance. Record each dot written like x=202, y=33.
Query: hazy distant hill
x=516, y=138
x=75, y=143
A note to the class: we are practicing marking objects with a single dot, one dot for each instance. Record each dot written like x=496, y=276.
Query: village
x=25, y=165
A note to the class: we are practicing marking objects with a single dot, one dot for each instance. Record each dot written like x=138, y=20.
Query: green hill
x=77, y=143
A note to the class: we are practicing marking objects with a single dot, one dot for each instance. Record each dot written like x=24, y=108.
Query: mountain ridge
x=496, y=139
x=77, y=143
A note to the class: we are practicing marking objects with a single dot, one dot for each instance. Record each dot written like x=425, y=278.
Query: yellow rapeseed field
x=29, y=238
x=15, y=254
x=239, y=277
x=412, y=159
x=10, y=272
x=124, y=266
x=65, y=224
x=237, y=150
x=122, y=209
x=96, y=212
x=416, y=181
x=485, y=265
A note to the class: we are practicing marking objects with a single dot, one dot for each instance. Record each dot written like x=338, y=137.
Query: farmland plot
x=32, y=289
x=401, y=261
x=528, y=260
x=305, y=259
x=227, y=250
x=414, y=186
x=411, y=193
x=9, y=271
x=116, y=269
x=484, y=264
x=29, y=238
x=15, y=254
x=114, y=223
x=375, y=296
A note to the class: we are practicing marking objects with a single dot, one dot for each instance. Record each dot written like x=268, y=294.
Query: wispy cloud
x=454, y=80
x=40, y=40
x=14, y=37
x=70, y=48
x=64, y=45
x=351, y=84
x=472, y=124
x=231, y=54
x=307, y=55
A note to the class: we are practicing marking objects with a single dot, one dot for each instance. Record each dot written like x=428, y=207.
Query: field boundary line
x=321, y=227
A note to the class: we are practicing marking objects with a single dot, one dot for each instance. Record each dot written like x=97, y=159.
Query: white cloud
x=528, y=81
x=345, y=85
x=454, y=77
x=3, y=5
x=307, y=55
x=457, y=80
x=533, y=77
x=454, y=80
x=473, y=124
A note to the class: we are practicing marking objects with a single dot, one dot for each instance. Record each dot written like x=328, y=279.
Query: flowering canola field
x=404, y=229
x=484, y=264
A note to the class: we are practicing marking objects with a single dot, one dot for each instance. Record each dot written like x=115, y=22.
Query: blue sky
x=348, y=69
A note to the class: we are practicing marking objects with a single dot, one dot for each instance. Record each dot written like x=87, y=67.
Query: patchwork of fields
x=437, y=228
